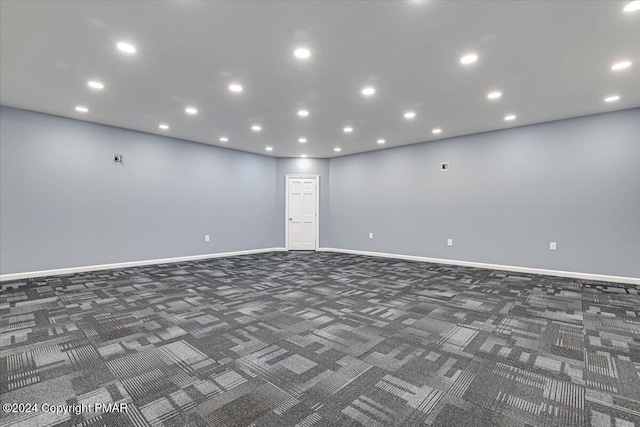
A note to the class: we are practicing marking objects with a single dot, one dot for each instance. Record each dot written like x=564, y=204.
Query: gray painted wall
x=507, y=195
x=303, y=166
x=63, y=203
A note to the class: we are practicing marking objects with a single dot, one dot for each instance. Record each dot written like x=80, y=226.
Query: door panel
x=302, y=215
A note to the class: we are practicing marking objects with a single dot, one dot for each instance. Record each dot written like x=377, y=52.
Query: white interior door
x=302, y=215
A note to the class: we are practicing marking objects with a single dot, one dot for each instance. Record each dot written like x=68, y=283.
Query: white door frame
x=286, y=207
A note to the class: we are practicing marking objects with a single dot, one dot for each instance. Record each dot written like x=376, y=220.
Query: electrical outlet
x=118, y=159
x=370, y=235
x=206, y=238
x=449, y=242
x=444, y=166
x=552, y=246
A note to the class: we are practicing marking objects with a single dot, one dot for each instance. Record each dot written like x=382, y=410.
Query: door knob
x=290, y=219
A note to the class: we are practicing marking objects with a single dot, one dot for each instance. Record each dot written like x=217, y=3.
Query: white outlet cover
x=449, y=242
x=371, y=235
x=206, y=238
x=552, y=246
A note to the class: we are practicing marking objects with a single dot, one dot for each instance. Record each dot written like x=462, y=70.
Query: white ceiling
x=551, y=60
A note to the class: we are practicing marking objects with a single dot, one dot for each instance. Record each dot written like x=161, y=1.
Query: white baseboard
x=57, y=272
x=571, y=274
x=574, y=275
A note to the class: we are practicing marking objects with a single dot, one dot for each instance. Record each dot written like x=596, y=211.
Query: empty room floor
x=321, y=339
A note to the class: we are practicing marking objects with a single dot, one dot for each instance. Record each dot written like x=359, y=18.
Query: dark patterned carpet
x=320, y=339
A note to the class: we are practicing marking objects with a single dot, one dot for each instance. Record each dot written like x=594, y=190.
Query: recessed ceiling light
x=256, y=128
x=303, y=113
x=191, y=110
x=126, y=47
x=621, y=65
x=510, y=117
x=381, y=141
x=269, y=148
x=436, y=131
x=632, y=6
x=163, y=126
x=409, y=115
x=368, y=91
x=612, y=98
x=302, y=140
x=348, y=129
x=337, y=149
x=235, y=87
x=469, y=59
x=81, y=109
x=494, y=95
x=304, y=156
x=95, y=85
x=302, y=53
x=224, y=139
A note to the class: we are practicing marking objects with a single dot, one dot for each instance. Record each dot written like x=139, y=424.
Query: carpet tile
x=320, y=339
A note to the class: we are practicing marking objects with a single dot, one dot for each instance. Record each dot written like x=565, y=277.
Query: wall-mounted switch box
x=444, y=166
x=449, y=242
x=206, y=238
x=552, y=246
x=371, y=235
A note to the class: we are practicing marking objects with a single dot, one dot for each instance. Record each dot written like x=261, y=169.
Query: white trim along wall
x=72, y=270
x=558, y=273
